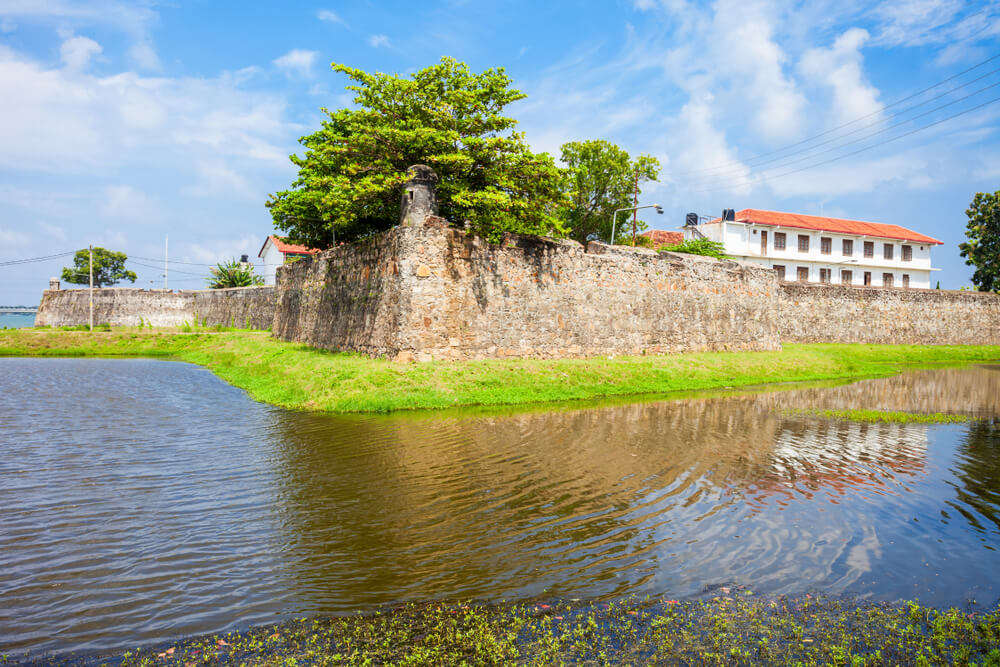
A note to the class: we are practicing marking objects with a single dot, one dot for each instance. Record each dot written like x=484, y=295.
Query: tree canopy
x=109, y=268
x=601, y=177
x=444, y=116
x=982, y=250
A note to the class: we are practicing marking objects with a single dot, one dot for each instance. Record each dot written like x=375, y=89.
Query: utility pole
x=166, y=248
x=635, y=209
x=91, y=262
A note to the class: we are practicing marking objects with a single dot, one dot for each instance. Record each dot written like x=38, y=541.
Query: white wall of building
x=271, y=259
x=743, y=241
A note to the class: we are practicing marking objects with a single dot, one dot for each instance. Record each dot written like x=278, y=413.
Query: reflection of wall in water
x=974, y=391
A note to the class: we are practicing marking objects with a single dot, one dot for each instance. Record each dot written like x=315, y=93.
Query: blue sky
x=127, y=122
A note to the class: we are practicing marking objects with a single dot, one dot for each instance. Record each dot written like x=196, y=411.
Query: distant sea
x=12, y=321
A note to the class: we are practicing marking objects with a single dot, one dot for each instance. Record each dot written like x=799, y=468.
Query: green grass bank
x=733, y=629
x=299, y=377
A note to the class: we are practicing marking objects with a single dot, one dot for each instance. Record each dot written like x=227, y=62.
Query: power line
x=160, y=268
x=860, y=150
x=705, y=179
x=28, y=260
x=847, y=124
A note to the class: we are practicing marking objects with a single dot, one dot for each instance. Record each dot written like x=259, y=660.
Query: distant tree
x=109, y=268
x=982, y=250
x=600, y=177
x=444, y=116
x=233, y=274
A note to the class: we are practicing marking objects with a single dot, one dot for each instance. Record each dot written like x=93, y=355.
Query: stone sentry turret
x=419, y=199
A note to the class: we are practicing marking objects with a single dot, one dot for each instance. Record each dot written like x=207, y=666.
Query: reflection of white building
x=275, y=252
x=832, y=450
x=809, y=248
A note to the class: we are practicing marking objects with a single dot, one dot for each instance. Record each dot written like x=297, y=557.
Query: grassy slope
x=297, y=376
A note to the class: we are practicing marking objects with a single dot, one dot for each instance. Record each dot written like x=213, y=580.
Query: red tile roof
x=661, y=236
x=287, y=248
x=878, y=229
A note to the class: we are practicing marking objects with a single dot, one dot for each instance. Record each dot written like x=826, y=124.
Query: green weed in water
x=896, y=417
x=734, y=629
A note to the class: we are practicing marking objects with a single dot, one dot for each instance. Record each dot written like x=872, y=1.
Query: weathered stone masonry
x=431, y=291
x=245, y=307
x=843, y=314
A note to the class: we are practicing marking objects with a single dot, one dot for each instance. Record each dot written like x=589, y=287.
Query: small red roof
x=878, y=229
x=661, y=236
x=287, y=248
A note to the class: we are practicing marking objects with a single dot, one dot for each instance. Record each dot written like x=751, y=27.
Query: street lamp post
x=614, y=216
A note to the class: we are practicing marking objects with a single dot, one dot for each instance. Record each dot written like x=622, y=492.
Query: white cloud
x=840, y=68
x=143, y=55
x=699, y=147
x=330, y=16
x=751, y=63
x=135, y=19
x=848, y=177
x=7, y=26
x=216, y=179
x=10, y=238
x=76, y=52
x=297, y=61
x=68, y=121
x=212, y=251
x=126, y=203
x=913, y=22
x=377, y=41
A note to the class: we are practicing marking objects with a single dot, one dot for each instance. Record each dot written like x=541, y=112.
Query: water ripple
x=166, y=503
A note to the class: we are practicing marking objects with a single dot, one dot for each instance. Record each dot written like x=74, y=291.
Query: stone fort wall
x=434, y=292
x=244, y=307
x=845, y=314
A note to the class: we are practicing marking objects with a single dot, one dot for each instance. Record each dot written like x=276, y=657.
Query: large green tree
x=444, y=116
x=982, y=250
x=601, y=177
x=109, y=268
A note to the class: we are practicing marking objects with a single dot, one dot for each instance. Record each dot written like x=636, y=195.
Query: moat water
x=145, y=500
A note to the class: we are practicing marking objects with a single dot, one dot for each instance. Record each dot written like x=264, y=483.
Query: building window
x=906, y=280
x=887, y=250
x=886, y=280
x=907, y=253
x=802, y=274
x=824, y=275
x=779, y=240
x=846, y=277
x=868, y=278
x=825, y=245
x=869, y=248
x=780, y=270
x=803, y=243
x=848, y=247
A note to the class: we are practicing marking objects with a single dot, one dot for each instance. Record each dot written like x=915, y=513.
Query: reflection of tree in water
x=377, y=508
x=978, y=472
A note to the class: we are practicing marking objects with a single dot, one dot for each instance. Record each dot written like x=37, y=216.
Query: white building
x=275, y=252
x=809, y=248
